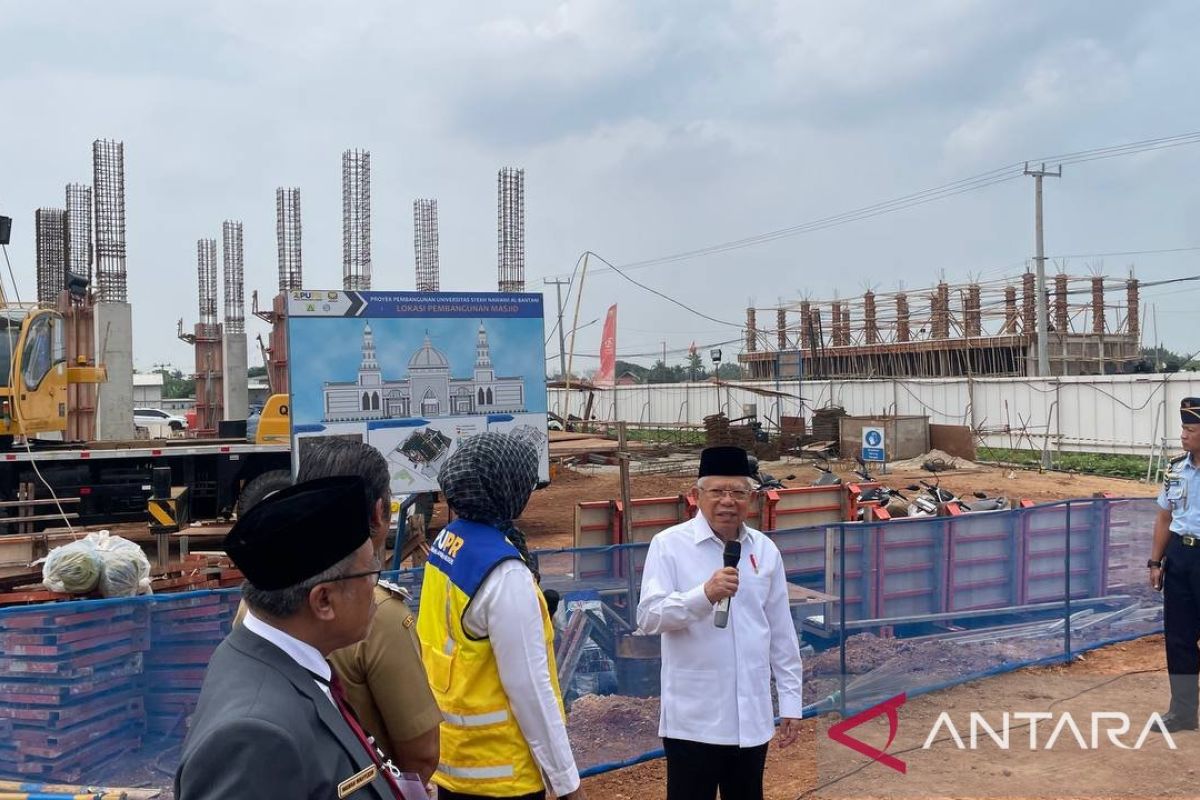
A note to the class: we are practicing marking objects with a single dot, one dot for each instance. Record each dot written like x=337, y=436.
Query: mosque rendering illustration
x=428, y=390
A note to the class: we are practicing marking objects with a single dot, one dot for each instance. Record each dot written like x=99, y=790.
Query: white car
x=149, y=417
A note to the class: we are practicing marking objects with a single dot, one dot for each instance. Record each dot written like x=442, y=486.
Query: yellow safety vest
x=482, y=749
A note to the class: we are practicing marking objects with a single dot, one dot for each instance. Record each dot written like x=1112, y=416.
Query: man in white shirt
x=717, y=717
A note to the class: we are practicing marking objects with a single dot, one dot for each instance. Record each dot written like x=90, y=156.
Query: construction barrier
x=880, y=608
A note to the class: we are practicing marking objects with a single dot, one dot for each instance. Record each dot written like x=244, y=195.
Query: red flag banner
x=608, y=350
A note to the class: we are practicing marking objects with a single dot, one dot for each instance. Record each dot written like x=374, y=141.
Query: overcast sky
x=645, y=129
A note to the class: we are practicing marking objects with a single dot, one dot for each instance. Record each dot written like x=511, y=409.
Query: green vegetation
x=672, y=435
x=1110, y=464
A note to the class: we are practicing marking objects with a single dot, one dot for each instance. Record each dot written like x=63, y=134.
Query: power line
x=668, y=298
x=973, y=183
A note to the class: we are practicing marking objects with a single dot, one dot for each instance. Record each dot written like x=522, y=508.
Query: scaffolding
x=356, y=220
x=425, y=243
x=50, y=234
x=510, y=237
x=287, y=236
x=78, y=224
x=235, y=305
x=977, y=328
x=108, y=173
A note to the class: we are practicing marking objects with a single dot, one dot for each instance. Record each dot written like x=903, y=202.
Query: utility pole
x=557, y=283
x=1043, y=320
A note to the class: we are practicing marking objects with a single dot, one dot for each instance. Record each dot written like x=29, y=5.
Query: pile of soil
x=612, y=728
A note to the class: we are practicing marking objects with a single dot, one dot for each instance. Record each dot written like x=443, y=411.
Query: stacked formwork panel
x=70, y=687
x=185, y=631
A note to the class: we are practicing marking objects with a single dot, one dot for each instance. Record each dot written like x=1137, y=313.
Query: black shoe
x=1174, y=723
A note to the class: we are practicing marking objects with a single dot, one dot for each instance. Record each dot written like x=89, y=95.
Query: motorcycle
x=985, y=503
x=764, y=480
x=880, y=496
x=932, y=500
x=826, y=478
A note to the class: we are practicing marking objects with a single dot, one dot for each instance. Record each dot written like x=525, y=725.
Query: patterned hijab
x=488, y=479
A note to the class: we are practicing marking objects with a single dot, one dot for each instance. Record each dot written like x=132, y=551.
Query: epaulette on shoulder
x=396, y=589
x=1178, y=458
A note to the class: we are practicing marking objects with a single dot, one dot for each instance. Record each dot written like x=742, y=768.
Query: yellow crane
x=33, y=365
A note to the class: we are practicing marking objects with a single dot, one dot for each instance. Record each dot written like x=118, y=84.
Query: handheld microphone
x=733, y=554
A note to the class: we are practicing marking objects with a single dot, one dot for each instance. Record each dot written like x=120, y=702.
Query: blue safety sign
x=873, y=446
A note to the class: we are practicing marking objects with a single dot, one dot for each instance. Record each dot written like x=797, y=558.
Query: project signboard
x=413, y=373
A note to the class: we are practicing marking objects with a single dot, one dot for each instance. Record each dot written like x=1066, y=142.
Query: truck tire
x=261, y=486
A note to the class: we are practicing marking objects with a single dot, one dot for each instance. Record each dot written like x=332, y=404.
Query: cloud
x=644, y=128
x=1066, y=82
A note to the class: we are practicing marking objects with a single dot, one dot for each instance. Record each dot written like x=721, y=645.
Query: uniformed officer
x=383, y=676
x=1175, y=570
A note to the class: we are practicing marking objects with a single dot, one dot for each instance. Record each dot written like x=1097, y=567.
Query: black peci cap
x=726, y=461
x=300, y=531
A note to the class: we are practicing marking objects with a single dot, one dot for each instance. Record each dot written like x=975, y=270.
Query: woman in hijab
x=486, y=636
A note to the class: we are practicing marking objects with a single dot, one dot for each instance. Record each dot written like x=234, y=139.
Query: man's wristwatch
x=1154, y=564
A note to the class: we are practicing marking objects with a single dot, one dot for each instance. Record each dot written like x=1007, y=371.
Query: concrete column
x=114, y=350
x=236, y=395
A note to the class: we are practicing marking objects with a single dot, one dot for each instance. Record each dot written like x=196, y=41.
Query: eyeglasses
x=740, y=495
x=374, y=575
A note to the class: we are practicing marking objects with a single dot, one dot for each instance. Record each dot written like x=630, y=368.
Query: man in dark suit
x=272, y=720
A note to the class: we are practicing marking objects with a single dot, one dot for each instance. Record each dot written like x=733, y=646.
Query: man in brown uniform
x=383, y=675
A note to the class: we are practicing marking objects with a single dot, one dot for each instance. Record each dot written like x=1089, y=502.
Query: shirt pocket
x=439, y=666
x=696, y=706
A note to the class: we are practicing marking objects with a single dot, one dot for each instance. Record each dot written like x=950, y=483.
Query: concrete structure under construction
x=207, y=339
x=113, y=315
x=235, y=398
x=113, y=336
x=970, y=329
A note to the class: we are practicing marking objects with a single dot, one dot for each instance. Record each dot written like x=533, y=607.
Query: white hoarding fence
x=1110, y=413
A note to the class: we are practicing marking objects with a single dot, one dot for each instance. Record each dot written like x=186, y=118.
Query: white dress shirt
x=302, y=653
x=500, y=611
x=716, y=682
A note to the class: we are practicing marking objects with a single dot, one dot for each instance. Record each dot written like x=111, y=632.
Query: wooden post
x=626, y=490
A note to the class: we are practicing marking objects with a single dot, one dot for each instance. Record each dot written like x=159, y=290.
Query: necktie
x=338, y=693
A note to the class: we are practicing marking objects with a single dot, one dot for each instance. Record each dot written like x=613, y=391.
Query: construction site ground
x=613, y=728
x=596, y=723
x=1129, y=677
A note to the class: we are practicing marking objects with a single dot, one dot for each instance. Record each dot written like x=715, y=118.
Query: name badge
x=1176, y=489
x=356, y=782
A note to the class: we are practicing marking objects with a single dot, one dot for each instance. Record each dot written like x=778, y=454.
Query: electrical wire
x=16, y=407
x=668, y=298
x=973, y=183
x=566, y=300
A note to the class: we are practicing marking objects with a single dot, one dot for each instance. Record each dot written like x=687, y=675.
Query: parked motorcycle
x=932, y=500
x=892, y=500
x=826, y=478
x=765, y=480
x=985, y=503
